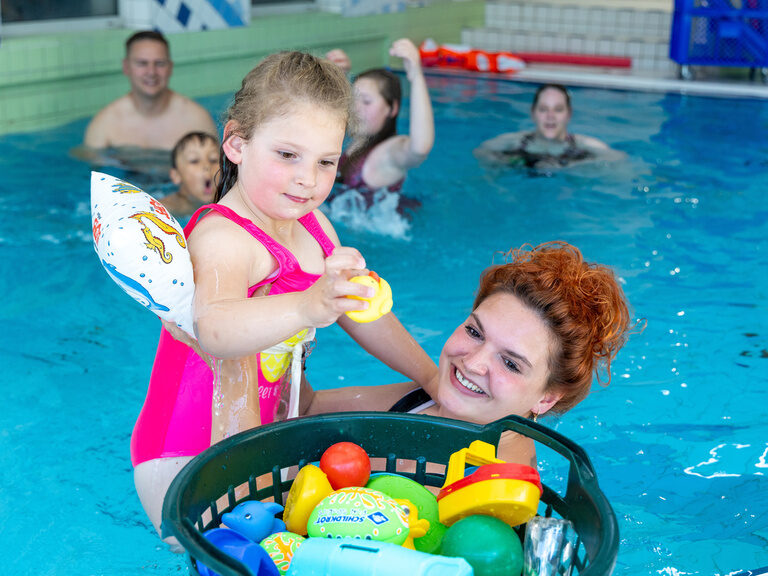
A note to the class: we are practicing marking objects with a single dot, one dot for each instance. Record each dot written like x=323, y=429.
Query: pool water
x=679, y=438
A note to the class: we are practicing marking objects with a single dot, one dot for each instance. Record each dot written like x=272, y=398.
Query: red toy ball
x=346, y=464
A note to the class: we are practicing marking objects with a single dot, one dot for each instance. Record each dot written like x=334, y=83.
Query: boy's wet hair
x=146, y=35
x=199, y=137
x=274, y=88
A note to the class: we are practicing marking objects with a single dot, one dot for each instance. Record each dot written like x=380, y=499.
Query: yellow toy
x=309, y=487
x=378, y=304
x=416, y=527
x=509, y=492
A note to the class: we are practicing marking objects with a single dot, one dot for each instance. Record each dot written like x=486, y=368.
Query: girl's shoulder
x=326, y=225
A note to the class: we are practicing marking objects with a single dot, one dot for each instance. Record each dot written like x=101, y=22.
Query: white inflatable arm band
x=143, y=249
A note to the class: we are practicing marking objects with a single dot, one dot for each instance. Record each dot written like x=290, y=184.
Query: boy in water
x=194, y=163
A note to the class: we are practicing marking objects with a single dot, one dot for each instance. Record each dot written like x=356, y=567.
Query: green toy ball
x=281, y=547
x=490, y=546
x=396, y=486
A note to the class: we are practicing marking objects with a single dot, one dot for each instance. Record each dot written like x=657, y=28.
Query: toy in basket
x=509, y=492
x=347, y=557
x=205, y=488
x=400, y=487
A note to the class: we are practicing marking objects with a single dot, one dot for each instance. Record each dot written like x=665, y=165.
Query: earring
x=535, y=416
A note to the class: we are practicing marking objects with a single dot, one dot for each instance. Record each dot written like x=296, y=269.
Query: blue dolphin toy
x=255, y=520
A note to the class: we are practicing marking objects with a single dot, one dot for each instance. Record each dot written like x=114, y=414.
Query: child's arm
x=227, y=262
x=412, y=150
x=389, y=341
x=386, y=338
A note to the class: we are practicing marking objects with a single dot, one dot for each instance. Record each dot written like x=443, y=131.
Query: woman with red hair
x=543, y=323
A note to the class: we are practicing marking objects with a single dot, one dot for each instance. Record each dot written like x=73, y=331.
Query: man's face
x=148, y=66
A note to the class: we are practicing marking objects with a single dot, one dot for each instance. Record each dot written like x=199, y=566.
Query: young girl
x=378, y=158
x=268, y=271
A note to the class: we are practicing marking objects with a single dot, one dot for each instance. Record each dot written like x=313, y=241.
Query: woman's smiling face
x=496, y=363
x=552, y=114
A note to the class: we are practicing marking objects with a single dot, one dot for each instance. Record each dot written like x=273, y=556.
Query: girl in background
x=378, y=158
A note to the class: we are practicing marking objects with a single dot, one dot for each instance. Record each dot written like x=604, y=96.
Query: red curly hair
x=582, y=303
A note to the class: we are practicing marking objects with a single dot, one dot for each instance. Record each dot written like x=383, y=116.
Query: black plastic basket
x=253, y=465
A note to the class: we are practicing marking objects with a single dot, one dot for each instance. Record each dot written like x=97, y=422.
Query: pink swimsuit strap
x=286, y=261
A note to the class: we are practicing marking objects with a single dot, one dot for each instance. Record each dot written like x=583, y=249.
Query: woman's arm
x=516, y=448
x=389, y=341
x=359, y=398
x=494, y=148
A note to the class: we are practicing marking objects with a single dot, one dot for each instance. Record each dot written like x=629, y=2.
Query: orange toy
x=462, y=56
x=494, y=62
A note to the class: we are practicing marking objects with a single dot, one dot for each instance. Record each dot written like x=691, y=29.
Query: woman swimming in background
x=378, y=158
x=550, y=145
x=542, y=325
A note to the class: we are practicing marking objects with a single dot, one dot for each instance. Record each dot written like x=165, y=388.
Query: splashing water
x=382, y=217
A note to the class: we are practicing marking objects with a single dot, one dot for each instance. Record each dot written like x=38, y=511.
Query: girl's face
x=370, y=106
x=551, y=114
x=196, y=165
x=496, y=363
x=288, y=165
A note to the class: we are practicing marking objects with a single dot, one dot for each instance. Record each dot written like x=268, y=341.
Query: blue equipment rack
x=720, y=33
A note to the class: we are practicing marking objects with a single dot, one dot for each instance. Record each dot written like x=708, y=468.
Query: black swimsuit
x=521, y=156
x=415, y=401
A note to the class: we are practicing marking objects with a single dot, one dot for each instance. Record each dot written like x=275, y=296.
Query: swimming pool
x=679, y=438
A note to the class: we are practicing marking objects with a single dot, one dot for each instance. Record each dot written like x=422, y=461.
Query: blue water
x=679, y=438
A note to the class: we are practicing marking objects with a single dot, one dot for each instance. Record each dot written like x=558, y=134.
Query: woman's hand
x=405, y=49
x=326, y=299
x=340, y=58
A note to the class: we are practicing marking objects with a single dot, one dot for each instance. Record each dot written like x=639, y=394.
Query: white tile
x=527, y=13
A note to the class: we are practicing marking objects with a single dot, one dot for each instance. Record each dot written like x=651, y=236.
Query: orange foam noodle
x=481, y=61
x=453, y=55
x=430, y=53
x=510, y=63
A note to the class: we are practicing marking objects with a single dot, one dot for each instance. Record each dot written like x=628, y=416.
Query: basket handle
x=581, y=465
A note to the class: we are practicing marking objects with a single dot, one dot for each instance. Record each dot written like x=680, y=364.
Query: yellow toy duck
x=416, y=528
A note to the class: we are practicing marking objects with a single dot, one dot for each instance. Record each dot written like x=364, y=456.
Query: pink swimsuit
x=176, y=417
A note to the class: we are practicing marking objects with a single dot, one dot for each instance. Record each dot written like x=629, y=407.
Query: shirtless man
x=151, y=115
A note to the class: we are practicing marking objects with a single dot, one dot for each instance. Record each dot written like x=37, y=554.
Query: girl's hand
x=407, y=50
x=326, y=299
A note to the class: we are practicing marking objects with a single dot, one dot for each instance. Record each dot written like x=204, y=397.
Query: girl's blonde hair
x=274, y=88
